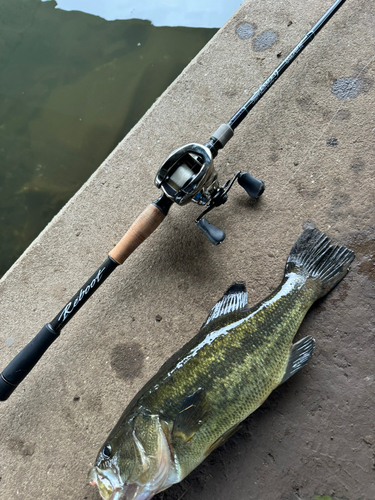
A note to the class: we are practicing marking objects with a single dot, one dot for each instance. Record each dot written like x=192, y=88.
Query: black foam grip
x=214, y=234
x=253, y=187
x=25, y=361
x=5, y=389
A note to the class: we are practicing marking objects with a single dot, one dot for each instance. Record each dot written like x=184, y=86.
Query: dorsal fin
x=234, y=299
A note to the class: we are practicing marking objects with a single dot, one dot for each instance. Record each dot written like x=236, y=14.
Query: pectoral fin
x=300, y=353
x=191, y=416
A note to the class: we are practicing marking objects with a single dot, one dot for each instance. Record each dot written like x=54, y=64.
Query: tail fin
x=313, y=254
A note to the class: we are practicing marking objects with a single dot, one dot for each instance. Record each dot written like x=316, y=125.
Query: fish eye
x=106, y=451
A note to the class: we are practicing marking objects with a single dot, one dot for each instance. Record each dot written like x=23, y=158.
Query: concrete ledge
x=314, y=150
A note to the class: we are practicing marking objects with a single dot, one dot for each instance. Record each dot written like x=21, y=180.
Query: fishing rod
x=186, y=175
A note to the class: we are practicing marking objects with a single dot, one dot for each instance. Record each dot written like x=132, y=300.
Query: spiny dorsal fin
x=191, y=416
x=234, y=299
x=300, y=353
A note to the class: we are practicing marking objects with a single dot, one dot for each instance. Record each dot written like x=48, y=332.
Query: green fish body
x=205, y=390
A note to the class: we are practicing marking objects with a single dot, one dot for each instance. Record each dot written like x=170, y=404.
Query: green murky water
x=71, y=86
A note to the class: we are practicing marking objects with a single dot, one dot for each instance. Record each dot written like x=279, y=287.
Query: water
x=193, y=13
x=72, y=84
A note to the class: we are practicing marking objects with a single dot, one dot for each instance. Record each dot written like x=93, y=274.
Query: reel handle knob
x=214, y=234
x=253, y=187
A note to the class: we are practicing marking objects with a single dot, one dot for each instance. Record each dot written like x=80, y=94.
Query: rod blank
x=239, y=116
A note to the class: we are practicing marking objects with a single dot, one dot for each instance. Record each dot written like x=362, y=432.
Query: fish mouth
x=162, y=475
x=111, y=486
x=109, y=483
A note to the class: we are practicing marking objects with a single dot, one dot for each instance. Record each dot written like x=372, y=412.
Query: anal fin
x=300, y=353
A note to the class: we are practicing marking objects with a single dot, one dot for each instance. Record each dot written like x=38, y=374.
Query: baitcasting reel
x=188, y=174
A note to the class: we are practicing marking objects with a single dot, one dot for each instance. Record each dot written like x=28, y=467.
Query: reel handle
x=213, y=233
x=253, y=187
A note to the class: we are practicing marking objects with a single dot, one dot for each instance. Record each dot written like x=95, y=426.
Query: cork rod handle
x=141, y=229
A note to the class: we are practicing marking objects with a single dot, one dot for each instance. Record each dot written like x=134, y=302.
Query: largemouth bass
x=199, y=397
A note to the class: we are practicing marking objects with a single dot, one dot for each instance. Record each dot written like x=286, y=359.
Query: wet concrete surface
x=315, y=436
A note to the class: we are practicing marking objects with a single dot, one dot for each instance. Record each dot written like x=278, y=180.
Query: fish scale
x=206, y=389
x=248, y=383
